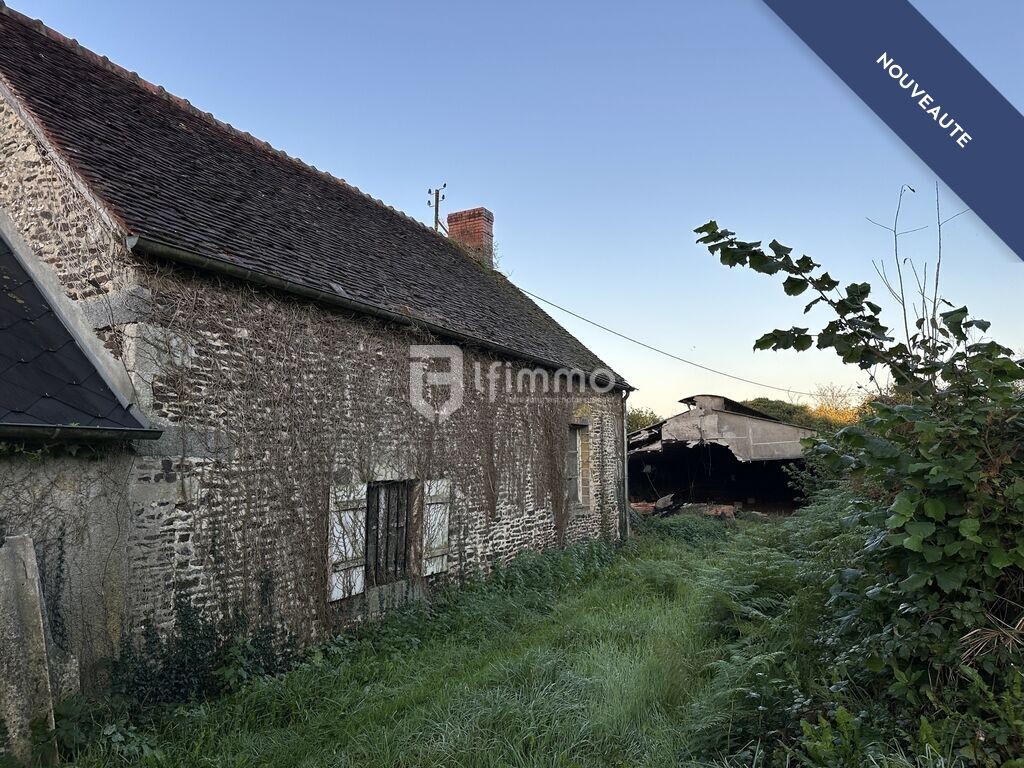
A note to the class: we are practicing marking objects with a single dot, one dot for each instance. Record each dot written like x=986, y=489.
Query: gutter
x=71, y=434
x=624, y=521
x=150, y=247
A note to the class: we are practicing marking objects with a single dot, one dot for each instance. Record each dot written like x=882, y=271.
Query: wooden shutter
x=346, y=554
x=436, y=519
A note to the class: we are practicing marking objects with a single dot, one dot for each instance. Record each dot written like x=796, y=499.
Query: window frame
x=580, y=497
x=427, y=535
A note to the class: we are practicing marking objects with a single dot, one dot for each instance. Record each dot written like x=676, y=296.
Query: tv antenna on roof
x=438, y=195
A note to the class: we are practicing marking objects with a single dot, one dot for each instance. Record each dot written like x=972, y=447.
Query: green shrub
x=934, y=606
x=836, y=742
x=690, y=529
x=200, y=657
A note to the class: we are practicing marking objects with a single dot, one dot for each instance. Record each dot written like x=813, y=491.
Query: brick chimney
x=474, y=231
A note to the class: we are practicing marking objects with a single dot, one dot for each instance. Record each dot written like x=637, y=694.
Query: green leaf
x=920, y=528
x=806, y=263
x=953, y=547
x=1016, y=490
x=880, y=448
x=794, y=286
x=914, y=581
x=802, y=341
x=857, y=292
x=999, y=557
x=950, y=579
x=913, y=543
x=825, y=283
x=874, y=664
x=953, y=320
x=969, y=527
x=903, y=506
x=810, y=306
x=935, y=509
x=732, y=258
x=763, y=263
x=956, y=316
x=779, y=249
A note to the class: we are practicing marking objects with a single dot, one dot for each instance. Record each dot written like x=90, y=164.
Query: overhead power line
x=645, y=345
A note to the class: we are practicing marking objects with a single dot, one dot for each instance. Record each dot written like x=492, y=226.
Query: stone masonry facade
x=272, y=408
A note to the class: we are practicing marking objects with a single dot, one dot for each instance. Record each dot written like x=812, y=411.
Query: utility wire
x=662, y=351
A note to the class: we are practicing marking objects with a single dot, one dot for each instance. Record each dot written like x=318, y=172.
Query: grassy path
x=577, y=665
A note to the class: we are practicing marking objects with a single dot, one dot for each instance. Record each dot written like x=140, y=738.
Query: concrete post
x=26, y=700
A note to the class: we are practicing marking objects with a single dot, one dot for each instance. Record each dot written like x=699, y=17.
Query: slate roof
x=46, y=380
x=177, y=176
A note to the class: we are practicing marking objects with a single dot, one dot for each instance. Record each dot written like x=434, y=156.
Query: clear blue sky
x=600, y=134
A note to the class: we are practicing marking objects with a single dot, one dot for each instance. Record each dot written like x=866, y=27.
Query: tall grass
x=691, y=644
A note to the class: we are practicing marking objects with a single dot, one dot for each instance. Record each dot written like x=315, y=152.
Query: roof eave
x=65, y=434
x=158, y=249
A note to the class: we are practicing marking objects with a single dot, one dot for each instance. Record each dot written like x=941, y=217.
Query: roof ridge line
x=38, y=26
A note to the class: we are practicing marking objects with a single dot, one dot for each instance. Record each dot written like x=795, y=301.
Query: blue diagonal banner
x=928, y=94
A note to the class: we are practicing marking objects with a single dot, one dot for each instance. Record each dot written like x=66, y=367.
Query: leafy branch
x=857, y=334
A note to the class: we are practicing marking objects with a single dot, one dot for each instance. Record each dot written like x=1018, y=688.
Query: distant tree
x=639, y=418
x=838, y=405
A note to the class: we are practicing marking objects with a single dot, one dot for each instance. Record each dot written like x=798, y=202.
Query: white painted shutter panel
x=347, y=541
x=436, y=513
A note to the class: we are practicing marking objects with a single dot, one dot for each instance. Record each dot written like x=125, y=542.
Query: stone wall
x=268, y=403
x=77, y=511
x=54, y=217
x=26, y=698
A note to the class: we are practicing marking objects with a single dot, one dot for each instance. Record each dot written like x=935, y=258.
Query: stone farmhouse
x=230, y=378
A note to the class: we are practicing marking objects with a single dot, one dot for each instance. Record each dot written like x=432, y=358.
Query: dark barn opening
x=709, y=473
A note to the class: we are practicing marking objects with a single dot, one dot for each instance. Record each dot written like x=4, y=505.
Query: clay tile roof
x=174, y=175
x=48, y=387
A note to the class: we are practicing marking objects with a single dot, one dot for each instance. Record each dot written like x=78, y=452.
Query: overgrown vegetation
x=833, y=408
x=931, y=619
x=695, y=644
x=201, y=658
